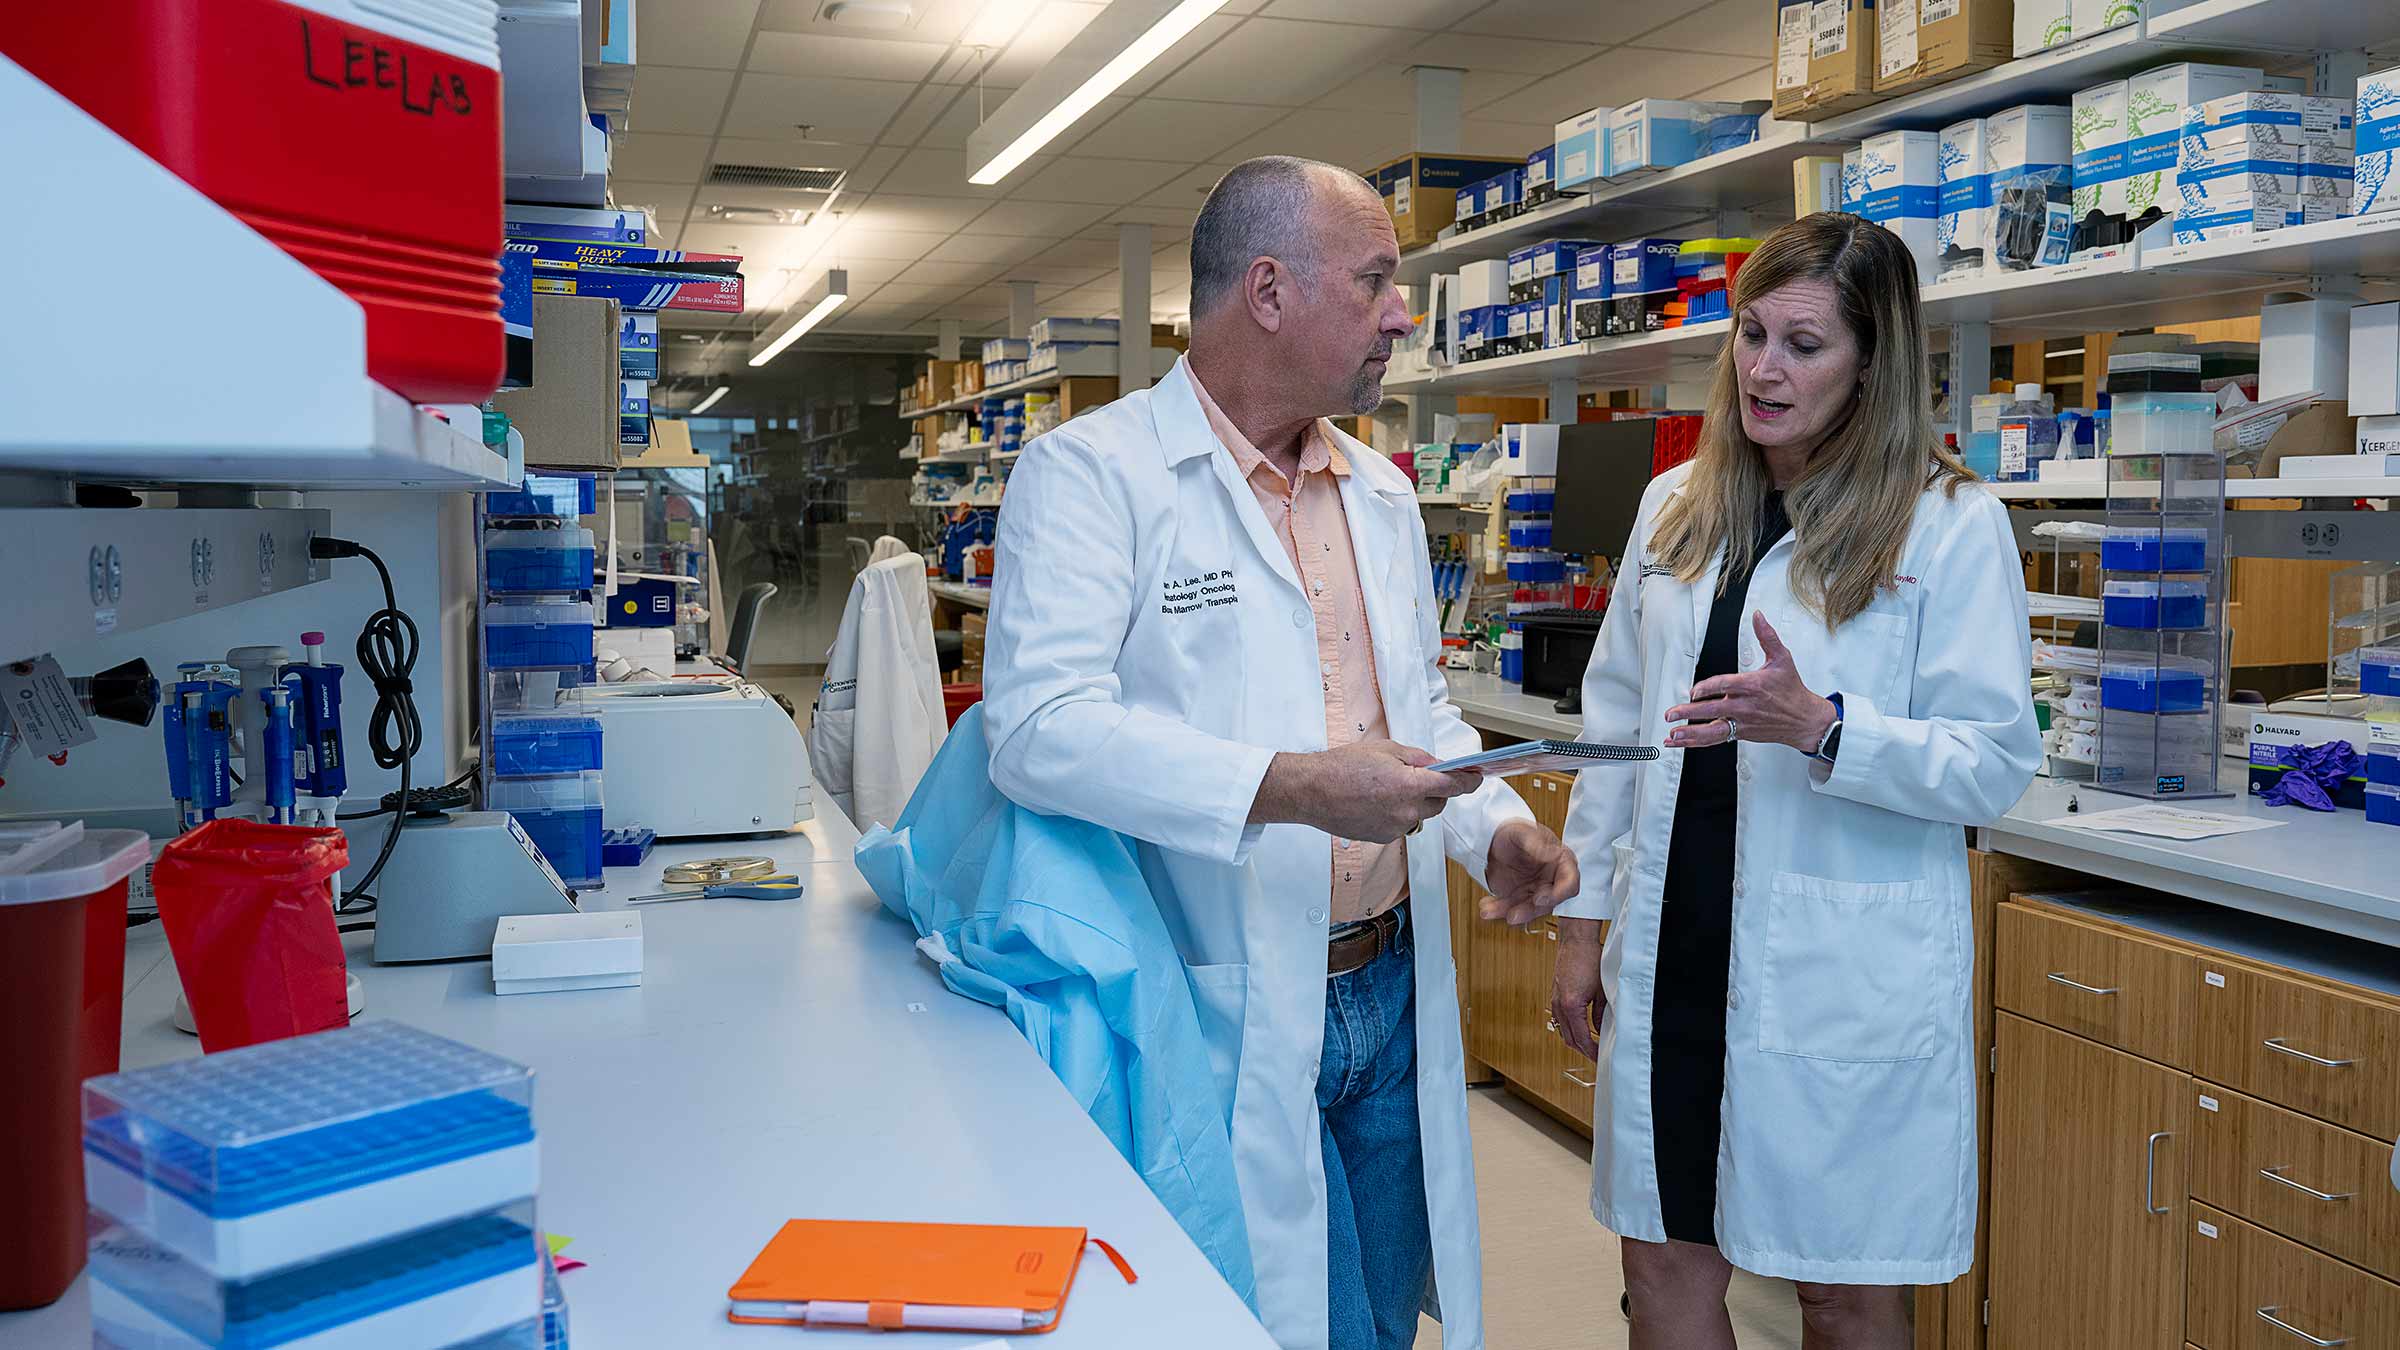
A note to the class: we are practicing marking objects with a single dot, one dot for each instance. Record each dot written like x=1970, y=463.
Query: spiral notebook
x=1548, y=757
x=914, y=1276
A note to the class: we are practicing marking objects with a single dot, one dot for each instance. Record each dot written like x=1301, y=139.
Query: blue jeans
x=1378, y=1244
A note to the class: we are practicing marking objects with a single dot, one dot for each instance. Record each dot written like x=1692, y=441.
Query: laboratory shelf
x=2277, y=25
x=1642, y=359
x=1757, y=176
x=2366, y=247
x=167, y=415
x=1030, y=384
x=2236, y=489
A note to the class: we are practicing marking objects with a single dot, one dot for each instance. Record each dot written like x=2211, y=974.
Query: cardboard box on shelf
x=1077, y=396
x=569, y=413
x=1900, y=189
x=1420, y=191
x=1816, y=184
x=1922, y=43
x=1838, y=61
x=2090, y=18
x=2155, y=101
x=1579, y=147
x=2375, y=360
x=2318, y=429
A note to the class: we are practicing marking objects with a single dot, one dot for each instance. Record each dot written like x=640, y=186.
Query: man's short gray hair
x=1259, y=208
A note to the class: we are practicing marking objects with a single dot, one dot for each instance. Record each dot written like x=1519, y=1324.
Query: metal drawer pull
x=1550, y=1024
x=2150, y=1203
x=2267, y=1315
x=1579, y=1082
x=2276, y=1174
x=2057, y=978
x=2275, y=1043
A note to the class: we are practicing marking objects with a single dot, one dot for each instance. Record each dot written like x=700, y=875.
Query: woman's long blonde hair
x=1852, y=507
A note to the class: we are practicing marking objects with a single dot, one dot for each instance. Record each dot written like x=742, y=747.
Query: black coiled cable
x=387, y=654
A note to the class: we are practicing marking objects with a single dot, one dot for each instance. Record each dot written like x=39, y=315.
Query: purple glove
x=2311, y=773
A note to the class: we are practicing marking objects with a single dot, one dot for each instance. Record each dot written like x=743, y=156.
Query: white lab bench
x=973, y=597
x=1492, y=704
x=780, y=1060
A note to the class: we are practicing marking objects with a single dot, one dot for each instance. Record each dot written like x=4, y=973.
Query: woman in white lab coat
x=1822, y=617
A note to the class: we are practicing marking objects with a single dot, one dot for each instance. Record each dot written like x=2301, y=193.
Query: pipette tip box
x=263, y=1158
x=546, y=953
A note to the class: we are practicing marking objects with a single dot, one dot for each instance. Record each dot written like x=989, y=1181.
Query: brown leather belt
x=1351, y=946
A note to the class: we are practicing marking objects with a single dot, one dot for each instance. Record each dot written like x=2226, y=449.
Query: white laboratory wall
x=425, y=538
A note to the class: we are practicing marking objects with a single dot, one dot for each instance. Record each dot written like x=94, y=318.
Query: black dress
x=1695, y=941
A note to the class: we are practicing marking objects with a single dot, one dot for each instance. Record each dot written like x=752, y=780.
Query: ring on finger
x=1733, y=729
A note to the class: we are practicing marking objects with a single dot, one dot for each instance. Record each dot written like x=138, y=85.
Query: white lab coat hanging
x=879, y=719
x=1150, y=650
x=1848, y=1146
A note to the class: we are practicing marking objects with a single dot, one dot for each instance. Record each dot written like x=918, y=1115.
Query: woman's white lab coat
x=1150, y=651
x=1848, y=1151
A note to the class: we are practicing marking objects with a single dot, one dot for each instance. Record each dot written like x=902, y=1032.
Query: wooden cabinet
x=2088, y=1159
x=2253, y=1290
x=2312, y=1046
x=1504, y=974
x=2320, y=1184
x=2097, y=980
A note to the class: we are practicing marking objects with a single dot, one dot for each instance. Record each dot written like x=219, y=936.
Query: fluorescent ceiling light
x=1103, y=34
x=807, y=312
x=711, y=401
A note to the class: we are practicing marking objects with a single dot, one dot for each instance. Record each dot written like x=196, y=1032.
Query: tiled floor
x=1550, y=1274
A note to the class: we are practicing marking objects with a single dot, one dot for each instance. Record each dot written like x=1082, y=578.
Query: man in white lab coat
x=1213, y=630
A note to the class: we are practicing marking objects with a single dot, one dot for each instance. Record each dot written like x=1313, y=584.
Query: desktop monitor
x=1603, y=468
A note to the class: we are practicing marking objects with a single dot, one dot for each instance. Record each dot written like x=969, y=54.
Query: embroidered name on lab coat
x=1205, y=591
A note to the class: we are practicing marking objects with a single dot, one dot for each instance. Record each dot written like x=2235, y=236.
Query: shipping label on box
x=2378, y=142
x=1926, y=42
x=1794, y=20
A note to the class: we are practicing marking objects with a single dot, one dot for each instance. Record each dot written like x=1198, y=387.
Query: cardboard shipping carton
x=1824, y=57
x=1922, y=43
x=1420, y=191
x=569, y=413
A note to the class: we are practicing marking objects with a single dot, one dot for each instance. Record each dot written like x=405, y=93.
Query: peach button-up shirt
x=1309, y=518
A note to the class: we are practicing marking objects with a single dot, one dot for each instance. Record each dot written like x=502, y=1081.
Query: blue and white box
x=1541, y=174
x=2030, y=145
x=2096, y=144
x=2155, y=102
x=999, y=350
x=1580, y=146
x=1520, y=268
x=1964, y=213
x=2378, y=141
x=2262, y=124
x=1657, y=134
x=1852, y=169
x=582, y=225
x=1557, y=257
x=637, y=347
x=1642, y=266
x=1900, y=185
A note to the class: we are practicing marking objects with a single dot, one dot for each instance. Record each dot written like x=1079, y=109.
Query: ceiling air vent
x=772, y=176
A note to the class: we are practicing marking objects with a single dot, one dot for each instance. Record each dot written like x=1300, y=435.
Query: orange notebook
x=914, y=1276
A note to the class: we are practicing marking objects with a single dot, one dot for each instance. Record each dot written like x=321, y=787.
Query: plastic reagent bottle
x=2028, y=434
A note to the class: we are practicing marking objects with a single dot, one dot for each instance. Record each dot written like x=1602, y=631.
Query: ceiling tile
x=1200, y=42
x=850, y=111
x=1616, y=77
x=1189, y=188
x=951, y=128
x=985, y=248
x=813, y=54
x=873, y=167
x=1051, y=220
x=1052, y=277
x=1733, y=27
x=708, y=33
x=1391, y=90
x=1277, y=61
x=1515, y=56
x=1167, y=220
x=1173, y=129
x=670, y=99
x=937, y=273
x=1572, y=20
x=762, y=242
x=889, y=211
x=1051, y=27
x=654, y=157
x=891, y=245
x=938, y=173
x=1080, y=178
x=1510, y=140
x=929, y=21
x=1322, y=133
x=1755, y=84
x=790, y=150
x=1431, y=14
x=1081, y=253
x=899, y=292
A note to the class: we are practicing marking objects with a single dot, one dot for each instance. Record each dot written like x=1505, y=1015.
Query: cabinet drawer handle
x=2267, y=1315
x=1550, y=1024
x=2275, y=1043
x=1579, y=1082
x=2150, y=1203
x=2276, y=1174
x=2056, y=977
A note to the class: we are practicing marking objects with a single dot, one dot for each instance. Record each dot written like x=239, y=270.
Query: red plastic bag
x=249, y=917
